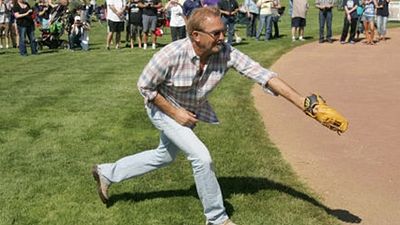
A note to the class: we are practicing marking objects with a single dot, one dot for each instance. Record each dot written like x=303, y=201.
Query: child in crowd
x=134, y=28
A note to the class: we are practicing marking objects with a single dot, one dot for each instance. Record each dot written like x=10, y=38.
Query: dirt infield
x=360, y=170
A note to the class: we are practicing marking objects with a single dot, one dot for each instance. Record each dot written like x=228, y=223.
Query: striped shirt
x=174, y=72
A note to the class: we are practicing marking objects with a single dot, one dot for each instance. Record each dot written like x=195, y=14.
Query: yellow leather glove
x=316, y=107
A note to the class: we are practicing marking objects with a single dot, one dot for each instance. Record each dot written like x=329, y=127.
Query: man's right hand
x=184, y=117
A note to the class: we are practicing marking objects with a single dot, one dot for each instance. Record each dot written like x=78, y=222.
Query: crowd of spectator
x=143, y=19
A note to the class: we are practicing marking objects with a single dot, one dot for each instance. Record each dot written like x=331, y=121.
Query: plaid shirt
x=174, y=72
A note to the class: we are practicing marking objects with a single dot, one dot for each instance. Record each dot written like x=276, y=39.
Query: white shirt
x=177, y=19
x=119, y=5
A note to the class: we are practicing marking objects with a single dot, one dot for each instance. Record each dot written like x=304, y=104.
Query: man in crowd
x=115, y=20
x=229, y=9
x=325, y=18
x=149, y=17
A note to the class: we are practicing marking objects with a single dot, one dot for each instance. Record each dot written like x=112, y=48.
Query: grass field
x=61, y=112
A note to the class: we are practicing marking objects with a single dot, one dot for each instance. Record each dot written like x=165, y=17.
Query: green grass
x=61, y=112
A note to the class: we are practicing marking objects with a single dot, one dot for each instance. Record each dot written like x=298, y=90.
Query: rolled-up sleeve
x=152, y=76
x=251, y=69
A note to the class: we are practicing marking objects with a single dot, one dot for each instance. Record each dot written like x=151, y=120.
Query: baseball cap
x=77, y=18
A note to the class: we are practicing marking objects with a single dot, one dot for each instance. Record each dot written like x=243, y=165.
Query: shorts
x=149, y=23
x=366, y=18
x=298, y=22
x=4, y=29
x=115, y=26
x=135, y=30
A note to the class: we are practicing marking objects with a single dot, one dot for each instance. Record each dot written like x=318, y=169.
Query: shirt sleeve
x=251, y=69
x=153, y=75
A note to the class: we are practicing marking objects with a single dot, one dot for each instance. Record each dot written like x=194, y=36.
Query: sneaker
x=342, y=42
x=227, y=222
x=7, y=46
x=153, y=46
x=352, y=42
x=144, y=46
x=1, y=46
x=301, y=39
x=330, y=40
x=293, y=38
x=321, y=40
x=102, y=184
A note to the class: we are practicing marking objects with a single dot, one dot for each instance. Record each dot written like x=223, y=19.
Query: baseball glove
x=316, y=107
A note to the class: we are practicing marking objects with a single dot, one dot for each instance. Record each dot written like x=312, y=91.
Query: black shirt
x=228, y=5
x=383, y=11
x=150, y=11
x=134, y=14
x=25, y=21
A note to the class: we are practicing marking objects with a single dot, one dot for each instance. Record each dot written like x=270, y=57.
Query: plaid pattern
x=174, y=72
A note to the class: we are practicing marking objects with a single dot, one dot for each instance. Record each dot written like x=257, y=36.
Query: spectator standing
x=252, y=13
x=299, y=12
x=26, y=26
x=149, y=16
x=368, y=18
x=275, y=17
x=325, y=19
x=115, y=19
x=189, y=6
x=350, y=20
x=229, y=9
x=177, y=23
x=135, y=23
x=382, y=14
x=265, y=21
x=4, y=24
x=360, y=26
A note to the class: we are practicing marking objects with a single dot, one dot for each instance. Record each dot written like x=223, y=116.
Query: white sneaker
x=153, y=46
x=144, y=46
x=227, y=222
x=7, y=46
x=301, y=38
x=293, y=38
x=1, y=46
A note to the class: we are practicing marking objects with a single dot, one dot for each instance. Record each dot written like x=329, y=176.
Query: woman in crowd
x=382, y=13
x=368, y=19
x=26, y=26
x=265, y=18
x=177, y=22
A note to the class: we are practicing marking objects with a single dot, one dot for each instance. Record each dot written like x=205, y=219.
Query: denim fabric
x=353, y=25
x=325, y=17
x=381, y=24
x=265, y=22
x=173, y=137
x=251, y=30
x=30, y=32
x=178, y=33
x=230, y=27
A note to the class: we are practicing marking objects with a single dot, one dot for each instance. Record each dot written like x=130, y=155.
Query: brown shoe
x=102, y=184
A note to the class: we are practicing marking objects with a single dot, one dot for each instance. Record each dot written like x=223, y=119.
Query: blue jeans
x=30, y=32
x=325, y=17
x=230, y=27
x=265, y=22
x=381, y=24
x=173, y=137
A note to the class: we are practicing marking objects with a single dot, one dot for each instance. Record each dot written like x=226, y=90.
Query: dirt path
x=360, y=170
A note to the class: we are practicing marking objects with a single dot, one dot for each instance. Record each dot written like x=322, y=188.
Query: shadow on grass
x=239, y=185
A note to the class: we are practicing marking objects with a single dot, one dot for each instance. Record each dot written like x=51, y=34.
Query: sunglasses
x=214, y=34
